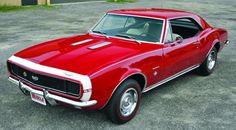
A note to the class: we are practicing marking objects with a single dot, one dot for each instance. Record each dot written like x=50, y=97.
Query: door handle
x=196, y=43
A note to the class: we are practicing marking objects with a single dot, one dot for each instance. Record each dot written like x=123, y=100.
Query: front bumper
x=52, y=98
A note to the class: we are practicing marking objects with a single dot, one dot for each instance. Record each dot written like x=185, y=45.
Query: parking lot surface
x=188, y=102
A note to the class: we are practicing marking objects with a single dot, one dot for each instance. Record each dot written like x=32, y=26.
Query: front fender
x=129, y=73
x=104, y=87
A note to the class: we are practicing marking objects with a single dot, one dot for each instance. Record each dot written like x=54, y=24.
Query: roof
x=153, y=12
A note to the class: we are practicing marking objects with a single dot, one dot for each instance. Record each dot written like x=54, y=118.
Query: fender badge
x=155, y=73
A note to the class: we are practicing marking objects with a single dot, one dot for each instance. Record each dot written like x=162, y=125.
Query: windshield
x=131, y=27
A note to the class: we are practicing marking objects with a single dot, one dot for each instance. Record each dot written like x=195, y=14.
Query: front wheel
x=124, y=102
x=207, y=67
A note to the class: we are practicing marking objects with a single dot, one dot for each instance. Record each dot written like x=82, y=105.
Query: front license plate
x=38, y=98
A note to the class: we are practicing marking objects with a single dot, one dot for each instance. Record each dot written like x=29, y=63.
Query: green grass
x=6, y=8
x=121, y=1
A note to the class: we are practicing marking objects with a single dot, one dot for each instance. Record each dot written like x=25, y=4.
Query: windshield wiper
x=102, y=33
x=125, y=36
x=129, y=37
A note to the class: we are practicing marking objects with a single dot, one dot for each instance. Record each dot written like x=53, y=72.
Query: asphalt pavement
x=188, y=102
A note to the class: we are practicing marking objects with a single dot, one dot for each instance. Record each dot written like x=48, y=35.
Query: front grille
x=45, y=81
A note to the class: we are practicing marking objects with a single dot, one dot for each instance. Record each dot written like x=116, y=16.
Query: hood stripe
x=84, y=79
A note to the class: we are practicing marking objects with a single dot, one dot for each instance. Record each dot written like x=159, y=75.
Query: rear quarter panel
x=209, y=37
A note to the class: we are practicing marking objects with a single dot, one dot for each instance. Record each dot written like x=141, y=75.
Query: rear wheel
x=208, y=66
x=124, y=102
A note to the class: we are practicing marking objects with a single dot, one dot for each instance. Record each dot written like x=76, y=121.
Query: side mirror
x=179, y=39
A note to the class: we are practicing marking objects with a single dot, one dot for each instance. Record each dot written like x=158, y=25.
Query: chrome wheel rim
x=211, y=60
x=128, y=102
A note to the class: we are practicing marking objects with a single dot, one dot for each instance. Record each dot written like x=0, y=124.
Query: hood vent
x=100, y=45
x=81, y=42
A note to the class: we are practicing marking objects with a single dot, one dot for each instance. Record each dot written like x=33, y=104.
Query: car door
x=180, y=52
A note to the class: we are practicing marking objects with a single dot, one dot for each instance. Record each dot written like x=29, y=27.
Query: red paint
x=110, y=65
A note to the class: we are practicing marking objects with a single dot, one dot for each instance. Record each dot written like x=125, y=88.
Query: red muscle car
x=128, y=52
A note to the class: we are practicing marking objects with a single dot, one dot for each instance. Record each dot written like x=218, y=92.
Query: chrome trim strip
x=141, y=16
x=170, y=78
x=180, y=17
x=157, y=67
x=50, y=96
x=167, y=27
x=84, y=79
x=91, y=29
x=81, y=42
x=99, y=45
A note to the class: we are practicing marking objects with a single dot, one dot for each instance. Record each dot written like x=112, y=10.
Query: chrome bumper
x=51, y=98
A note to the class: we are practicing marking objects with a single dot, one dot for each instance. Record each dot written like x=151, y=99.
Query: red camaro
x=128, y=52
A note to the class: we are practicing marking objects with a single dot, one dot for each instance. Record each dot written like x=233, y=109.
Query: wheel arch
x=138, y=76
x=217, y=45
x=216, y=42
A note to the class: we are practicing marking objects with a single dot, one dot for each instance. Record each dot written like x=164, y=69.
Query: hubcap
x=128, y=102
x=211, y=60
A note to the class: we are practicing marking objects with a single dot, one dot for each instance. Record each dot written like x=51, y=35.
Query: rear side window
x=185, y=27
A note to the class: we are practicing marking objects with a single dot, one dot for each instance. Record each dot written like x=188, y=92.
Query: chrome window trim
x=168, y=26
x=162, y=31
x=91, y=29
x=186, y=17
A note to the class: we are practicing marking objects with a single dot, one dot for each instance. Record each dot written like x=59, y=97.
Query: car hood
x=81, y=54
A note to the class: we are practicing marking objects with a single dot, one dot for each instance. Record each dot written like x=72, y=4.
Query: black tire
x=124, y=91
x=205, y=68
